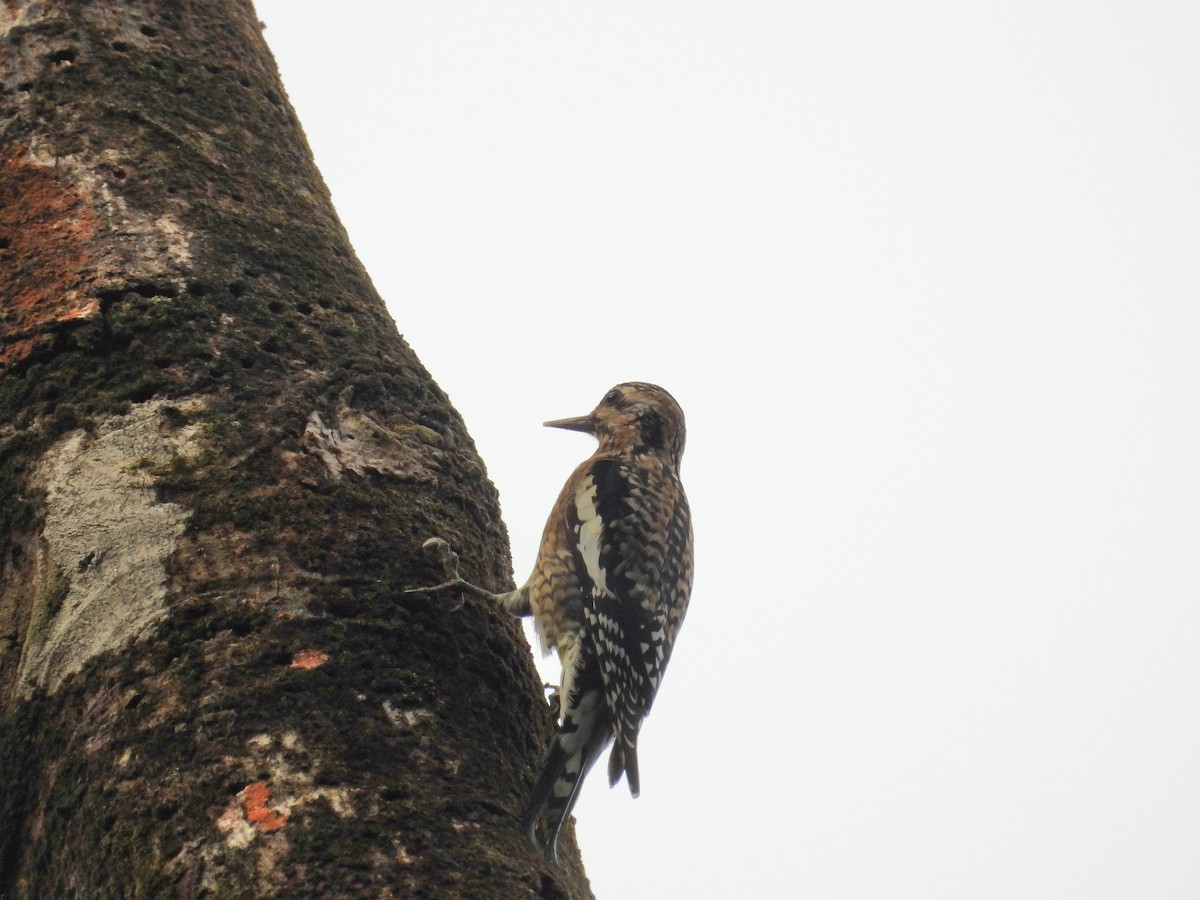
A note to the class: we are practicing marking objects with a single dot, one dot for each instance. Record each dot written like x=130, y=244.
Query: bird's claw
x=554, y=699
x=440, y=550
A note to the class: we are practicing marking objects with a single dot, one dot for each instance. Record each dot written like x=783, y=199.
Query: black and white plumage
x=608, y=592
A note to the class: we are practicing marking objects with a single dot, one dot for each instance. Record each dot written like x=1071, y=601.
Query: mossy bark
x=218, y=461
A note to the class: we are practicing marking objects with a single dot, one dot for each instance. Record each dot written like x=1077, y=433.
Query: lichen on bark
x=108, y=538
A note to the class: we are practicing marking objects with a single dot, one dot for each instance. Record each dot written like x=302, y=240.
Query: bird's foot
x=440, y=551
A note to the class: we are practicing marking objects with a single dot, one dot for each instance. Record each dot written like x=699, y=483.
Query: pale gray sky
x=926, y=280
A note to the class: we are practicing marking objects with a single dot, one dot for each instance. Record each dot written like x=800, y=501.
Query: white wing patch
x=591, y=533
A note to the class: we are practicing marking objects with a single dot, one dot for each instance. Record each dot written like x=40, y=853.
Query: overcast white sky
x=926, y=280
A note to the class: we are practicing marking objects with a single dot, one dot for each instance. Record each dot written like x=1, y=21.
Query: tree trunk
x=218, y=461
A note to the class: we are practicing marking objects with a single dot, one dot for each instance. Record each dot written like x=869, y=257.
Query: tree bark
x=218, y=461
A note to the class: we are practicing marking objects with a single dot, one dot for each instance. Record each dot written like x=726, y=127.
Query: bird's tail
x=624, y=759
x=574, y=750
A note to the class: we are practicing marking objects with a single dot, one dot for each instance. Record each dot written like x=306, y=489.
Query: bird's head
x=634, y=417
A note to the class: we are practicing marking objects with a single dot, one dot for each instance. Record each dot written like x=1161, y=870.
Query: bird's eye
x=612, y=397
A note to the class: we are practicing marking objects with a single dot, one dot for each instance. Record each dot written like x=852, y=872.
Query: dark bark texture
x=218, y=461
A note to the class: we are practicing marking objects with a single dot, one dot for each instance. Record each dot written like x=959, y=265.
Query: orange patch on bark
x=47, y=262
x=254, y=796
x=309, y=659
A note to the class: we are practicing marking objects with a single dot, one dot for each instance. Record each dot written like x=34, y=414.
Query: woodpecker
x=608, y=592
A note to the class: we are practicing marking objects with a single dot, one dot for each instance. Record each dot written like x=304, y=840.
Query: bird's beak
x=580, y=423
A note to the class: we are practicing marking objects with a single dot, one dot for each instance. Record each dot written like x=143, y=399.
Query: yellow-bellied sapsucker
x=608, y=592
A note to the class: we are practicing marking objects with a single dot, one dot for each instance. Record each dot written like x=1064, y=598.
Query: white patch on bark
x=108, y=538
x=239, y=833
x=354, y=442
x=284, y=766
x=136, y=246
x=405, y=719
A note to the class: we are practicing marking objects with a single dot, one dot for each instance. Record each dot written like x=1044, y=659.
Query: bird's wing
x=633, y=553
